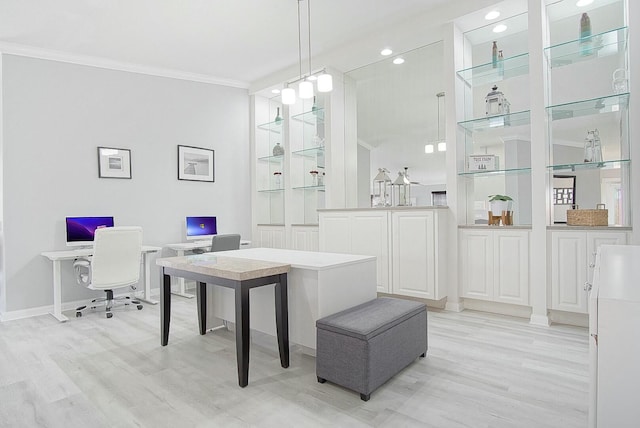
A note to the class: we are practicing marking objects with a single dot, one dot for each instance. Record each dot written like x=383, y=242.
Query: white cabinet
x=494, y=265
x=410, y=245
x=572, y=260
x=304, y=238
x=271, y=236
x=358, y=232
x=417, y=264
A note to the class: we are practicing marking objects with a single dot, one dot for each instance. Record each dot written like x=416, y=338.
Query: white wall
x=56, y=115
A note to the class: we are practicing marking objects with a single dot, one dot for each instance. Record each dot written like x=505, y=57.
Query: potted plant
x=499, y=203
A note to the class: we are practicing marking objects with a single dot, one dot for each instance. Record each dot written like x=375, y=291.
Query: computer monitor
x=201, y=228
x=80, y=230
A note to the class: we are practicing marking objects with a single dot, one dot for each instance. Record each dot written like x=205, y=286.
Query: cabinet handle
x=588, y=286
x=595, y=337
x=592, y=265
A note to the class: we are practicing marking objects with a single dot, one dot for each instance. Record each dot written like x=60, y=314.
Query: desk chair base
x=109, y=302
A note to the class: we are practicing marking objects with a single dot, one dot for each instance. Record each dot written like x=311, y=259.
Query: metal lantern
x=402, y=189
x=496, y=103
x=381, y=184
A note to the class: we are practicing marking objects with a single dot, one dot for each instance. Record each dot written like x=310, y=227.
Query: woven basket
x=599, y=217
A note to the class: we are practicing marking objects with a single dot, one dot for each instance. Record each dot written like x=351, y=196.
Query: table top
x=224, y=267
x=84, y=252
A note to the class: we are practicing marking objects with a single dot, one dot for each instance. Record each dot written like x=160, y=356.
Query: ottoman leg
x=321, y=380
x=424, y=354
x=365, y=397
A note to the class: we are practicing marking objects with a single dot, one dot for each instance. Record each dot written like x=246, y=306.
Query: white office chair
x=115, y=263
x=222, y=243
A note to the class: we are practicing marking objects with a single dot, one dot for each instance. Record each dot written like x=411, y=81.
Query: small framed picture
x=114, y=163
x=195, y=164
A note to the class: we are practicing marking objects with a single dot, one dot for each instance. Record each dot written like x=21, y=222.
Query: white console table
x=57, y=256
x=181, y=247
x=319, y=284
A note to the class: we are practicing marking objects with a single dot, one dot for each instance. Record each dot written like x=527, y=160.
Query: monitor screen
x=80, y=230
x=201, y=227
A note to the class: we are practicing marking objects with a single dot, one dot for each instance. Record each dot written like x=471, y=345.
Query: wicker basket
x=597, y=217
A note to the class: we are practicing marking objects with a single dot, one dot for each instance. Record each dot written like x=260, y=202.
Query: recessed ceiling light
x=499, y=28
x=492, y=15
x=386, y=52
x=398, y=60
x=582, y=3
x=275, y=91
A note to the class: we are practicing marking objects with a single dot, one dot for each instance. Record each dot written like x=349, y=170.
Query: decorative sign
x=483, y=162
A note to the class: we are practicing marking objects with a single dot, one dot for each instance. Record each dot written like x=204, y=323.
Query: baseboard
x=570, y=318
x=437, y=304
x=454, y=306
x=498, y=308
x=541, y=320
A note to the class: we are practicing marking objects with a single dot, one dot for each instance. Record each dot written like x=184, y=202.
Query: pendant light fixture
x=440, y=143
x=305, y=87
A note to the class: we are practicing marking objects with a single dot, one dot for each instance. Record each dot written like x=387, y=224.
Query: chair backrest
x=117, y=254
x=225, y=242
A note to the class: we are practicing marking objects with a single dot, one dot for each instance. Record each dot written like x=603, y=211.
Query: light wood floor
x=481, y=370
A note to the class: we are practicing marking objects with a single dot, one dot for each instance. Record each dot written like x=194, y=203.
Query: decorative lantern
x=381, y=184
x=402, y=189
x=496, y=103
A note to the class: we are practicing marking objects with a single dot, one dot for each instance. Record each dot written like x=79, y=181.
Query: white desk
x=319, y=284
x=57, y=256
x=180, y=249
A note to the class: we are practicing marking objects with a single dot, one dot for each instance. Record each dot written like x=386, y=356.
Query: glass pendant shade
x=288, y=96
x=325, y=83
x=442, y=147
x=428, y=148
x=305, y=90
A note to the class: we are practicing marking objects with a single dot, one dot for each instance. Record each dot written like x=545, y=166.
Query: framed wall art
x=114, y=163
x=195, y=164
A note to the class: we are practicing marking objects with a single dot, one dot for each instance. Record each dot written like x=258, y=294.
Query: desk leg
x=182, y=289
x=282, y=319
x=201, y=293
x=57, y=293
x=146, y=297
x=242, y=333
x=165, y=308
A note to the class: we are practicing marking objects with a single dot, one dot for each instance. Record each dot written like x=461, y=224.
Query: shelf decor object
x=496, y=104
x=381, y=183
x=597, y=217
x=483, y=163
x=114, y=163
x=195, y=164
x=278, y=150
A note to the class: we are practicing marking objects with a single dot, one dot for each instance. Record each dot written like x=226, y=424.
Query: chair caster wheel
x=139, y=307
x=109, y=314
x=78, y=314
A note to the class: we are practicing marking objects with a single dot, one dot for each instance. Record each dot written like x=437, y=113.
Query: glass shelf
x=272, y=159
x=612, y=164
x=270, y=190
x=310, y=117
x=275, y=127
x=501, y=121
x=495, y=172
x=320, y=188
x=610, y=104
x=310, y=153
x=482, y=74
x=603, y=44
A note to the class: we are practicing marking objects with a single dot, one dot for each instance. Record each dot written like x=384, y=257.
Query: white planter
x=497, y=207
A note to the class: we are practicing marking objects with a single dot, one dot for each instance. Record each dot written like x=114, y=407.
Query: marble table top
x=224, y=267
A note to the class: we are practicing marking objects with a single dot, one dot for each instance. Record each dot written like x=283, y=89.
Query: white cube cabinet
x=410, y=245
x=494, y=265
x=572, y=260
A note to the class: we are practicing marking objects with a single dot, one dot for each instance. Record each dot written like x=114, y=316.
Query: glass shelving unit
x=490, y=122
x=485, y=74
x=612, y=42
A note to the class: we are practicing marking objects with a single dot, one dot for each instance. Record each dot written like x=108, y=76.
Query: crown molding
x=91, y=61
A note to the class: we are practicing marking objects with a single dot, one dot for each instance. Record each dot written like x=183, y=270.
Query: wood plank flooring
x=482, y=370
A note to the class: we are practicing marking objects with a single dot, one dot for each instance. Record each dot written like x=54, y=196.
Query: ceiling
x=239, y=41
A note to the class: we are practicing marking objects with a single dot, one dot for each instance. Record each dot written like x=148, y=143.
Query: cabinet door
x=476, y=264
x=511, y=264
x=304, y=238
x=568, y=271
x=271, y=237
x=336, y=232
x=370, y=237
x=594, y=240
x=413, y=254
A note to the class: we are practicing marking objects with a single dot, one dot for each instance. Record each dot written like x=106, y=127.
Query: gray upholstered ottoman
x=362, y=347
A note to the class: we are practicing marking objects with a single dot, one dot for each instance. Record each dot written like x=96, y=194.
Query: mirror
x=393, y=111
x=564, y=193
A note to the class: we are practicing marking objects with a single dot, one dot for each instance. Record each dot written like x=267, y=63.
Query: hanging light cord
x=299, y=41
x=439, y=95
x=309, y=27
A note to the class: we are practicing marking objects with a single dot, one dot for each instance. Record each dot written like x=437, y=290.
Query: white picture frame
x=479, y=163
x=114, y=163
x=196, y=164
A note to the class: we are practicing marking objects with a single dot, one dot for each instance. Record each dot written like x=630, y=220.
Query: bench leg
x=365, y=397
x=424, y=354
x=321, y=380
